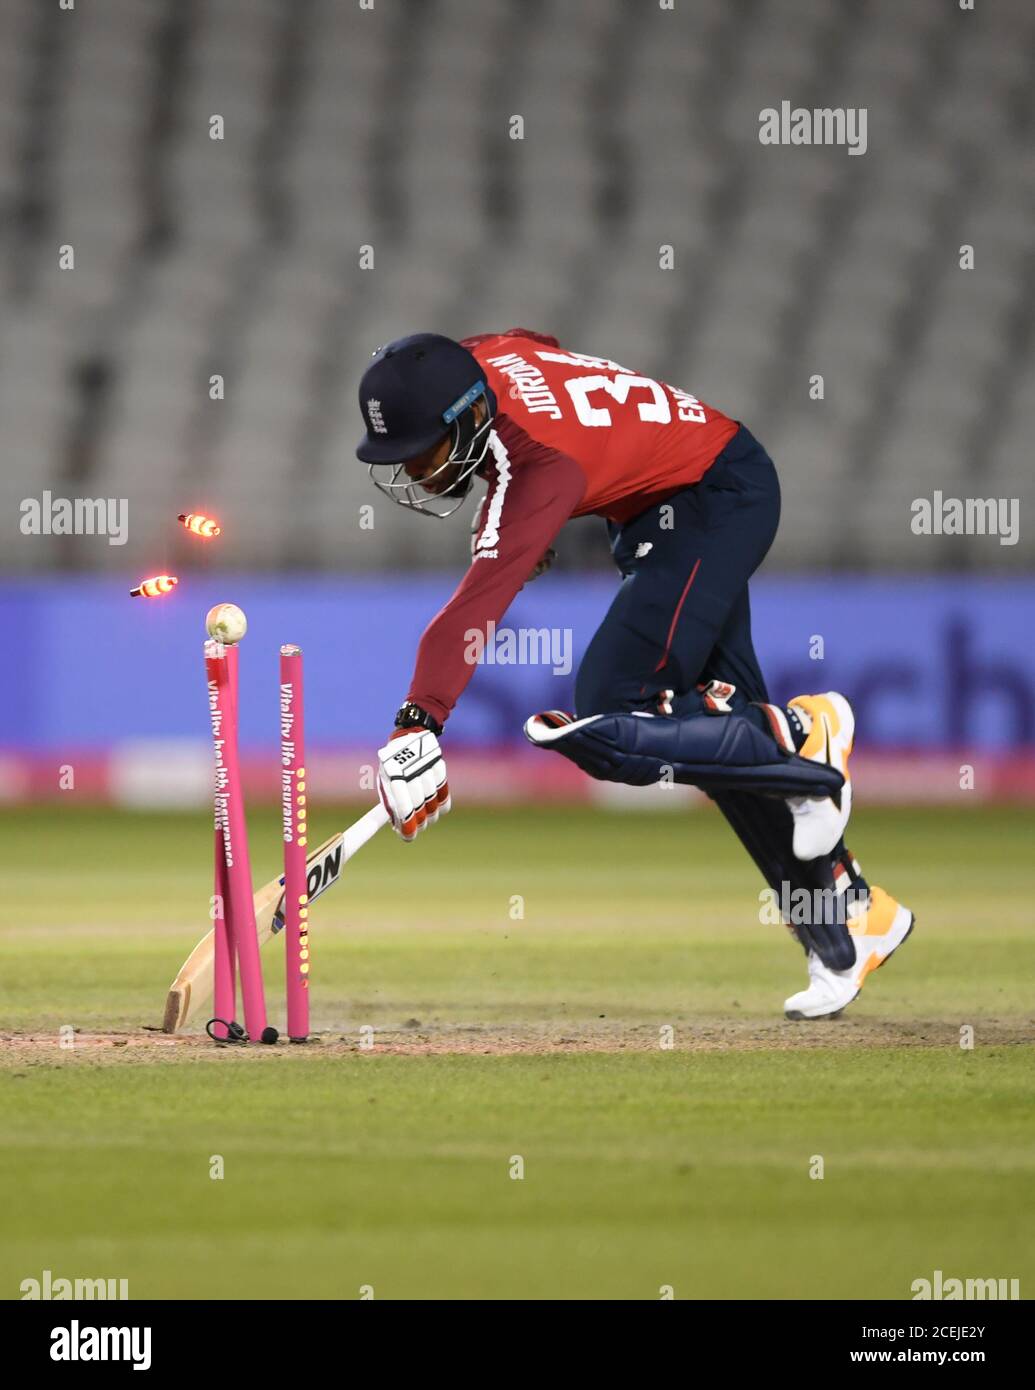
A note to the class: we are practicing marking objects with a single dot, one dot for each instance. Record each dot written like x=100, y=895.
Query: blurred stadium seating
x=389, y=128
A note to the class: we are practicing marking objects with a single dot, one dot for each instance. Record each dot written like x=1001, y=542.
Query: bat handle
x=364, y=829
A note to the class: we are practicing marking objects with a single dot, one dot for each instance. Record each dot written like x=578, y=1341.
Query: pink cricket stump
x=224, y=992
x=294, y=801
x=239, y=907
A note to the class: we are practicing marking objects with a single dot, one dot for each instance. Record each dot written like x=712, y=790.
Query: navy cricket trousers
x=682, y=615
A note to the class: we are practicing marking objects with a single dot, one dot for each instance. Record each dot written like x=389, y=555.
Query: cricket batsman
x=670, y=687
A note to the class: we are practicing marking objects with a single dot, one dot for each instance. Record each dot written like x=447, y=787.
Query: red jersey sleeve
x=533, y=490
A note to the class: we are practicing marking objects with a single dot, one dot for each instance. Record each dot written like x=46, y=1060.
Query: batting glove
x=412, y=781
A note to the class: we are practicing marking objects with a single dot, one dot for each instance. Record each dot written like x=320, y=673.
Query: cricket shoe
x=877, y=932
x=819, y=822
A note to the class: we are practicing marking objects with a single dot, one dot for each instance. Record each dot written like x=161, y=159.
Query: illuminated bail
x=155, y=587
x=199, y=525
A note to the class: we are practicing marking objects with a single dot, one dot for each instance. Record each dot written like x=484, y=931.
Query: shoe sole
x=798, y=1017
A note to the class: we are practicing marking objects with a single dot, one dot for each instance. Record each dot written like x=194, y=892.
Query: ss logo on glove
x=412, y=781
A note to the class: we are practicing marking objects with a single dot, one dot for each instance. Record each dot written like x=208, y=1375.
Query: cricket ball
x=226, y=623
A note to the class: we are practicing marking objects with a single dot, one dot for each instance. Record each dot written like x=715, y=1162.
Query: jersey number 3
x=657, y=410
x=580, y=388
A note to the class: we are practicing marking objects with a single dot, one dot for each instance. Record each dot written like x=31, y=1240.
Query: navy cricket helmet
x=415, y=392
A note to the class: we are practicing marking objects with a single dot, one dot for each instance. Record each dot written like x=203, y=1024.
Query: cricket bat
x=193, y=985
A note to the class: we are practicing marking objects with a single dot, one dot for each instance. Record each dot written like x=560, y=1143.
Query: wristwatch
x=411, y=714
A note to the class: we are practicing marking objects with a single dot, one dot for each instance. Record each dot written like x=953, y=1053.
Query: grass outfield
x=539, y=1037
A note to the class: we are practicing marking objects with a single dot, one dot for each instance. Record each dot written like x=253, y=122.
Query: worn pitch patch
x=697, y=1034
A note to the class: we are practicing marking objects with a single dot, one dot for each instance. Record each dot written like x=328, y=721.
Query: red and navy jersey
x=574, y=435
